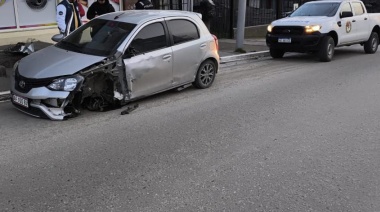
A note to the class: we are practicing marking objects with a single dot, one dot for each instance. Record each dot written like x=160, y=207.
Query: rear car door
x=148, y=60
x=361, y=22
x=188, y=49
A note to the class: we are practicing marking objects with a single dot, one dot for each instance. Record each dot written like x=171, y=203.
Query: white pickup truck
x=320, y=26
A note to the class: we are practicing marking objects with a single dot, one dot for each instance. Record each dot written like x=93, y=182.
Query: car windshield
x=97, y=37
x=316, y=9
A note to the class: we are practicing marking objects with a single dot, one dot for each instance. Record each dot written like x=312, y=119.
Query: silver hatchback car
x=114, y=59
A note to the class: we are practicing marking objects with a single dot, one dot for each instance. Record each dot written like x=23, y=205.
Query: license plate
x=20, y=100
x=284, y=40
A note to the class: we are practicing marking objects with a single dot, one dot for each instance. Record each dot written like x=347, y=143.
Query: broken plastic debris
x=129, y=109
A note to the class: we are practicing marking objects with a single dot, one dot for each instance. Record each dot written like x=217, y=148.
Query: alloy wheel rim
x=374, y=44
x=207, y=74
x=329, y=50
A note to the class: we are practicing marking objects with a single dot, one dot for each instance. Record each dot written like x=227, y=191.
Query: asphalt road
x=271, y=135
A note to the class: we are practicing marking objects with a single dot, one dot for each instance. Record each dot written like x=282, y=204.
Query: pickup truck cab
x=320, y=26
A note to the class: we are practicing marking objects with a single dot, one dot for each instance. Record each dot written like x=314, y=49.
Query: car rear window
x=183, y=31
x=358, y=8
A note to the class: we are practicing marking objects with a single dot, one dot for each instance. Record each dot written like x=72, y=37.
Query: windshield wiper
x=76, y=47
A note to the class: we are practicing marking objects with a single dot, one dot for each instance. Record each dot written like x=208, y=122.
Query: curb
x=246, y=56
x=6, y=95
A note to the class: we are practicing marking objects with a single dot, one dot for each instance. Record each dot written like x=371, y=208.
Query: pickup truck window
x=316, y=9
x=358, y=8
x=346, y=8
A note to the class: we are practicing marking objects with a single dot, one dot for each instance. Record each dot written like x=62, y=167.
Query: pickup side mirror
x=58, y=37
x=346, y=14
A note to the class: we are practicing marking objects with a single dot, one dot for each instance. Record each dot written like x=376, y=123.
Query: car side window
x=151, y=37
x=183, y=31
x=358, y=8
x=346, y=8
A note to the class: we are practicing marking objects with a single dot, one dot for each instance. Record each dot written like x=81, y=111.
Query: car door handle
x=365, y=19
x=203, y=45
x=353, y=20
x=166, y=57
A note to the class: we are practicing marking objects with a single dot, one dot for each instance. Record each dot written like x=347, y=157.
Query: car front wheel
x=326, y=52
x=276, y=53
x=205, y=75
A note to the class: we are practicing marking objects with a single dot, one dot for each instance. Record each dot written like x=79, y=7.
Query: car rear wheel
x=276, y=53
x=205, y=75
x=370, y=46
x=326, y=52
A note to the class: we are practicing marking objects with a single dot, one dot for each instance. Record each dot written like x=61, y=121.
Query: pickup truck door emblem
x=348, y=27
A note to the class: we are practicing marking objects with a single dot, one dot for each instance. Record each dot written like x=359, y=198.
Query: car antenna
x=118, y=16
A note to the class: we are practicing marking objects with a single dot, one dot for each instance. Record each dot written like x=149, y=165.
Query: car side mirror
x=57, y=37
x=346, y=14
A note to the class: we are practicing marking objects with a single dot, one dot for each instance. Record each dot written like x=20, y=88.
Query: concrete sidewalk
x=255, y=48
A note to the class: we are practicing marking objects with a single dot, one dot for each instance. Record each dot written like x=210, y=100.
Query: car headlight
x=312, y=28
x=269, y=28
x=64, y=84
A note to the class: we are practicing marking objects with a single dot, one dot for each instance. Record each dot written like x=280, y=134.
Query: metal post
x=240, y=24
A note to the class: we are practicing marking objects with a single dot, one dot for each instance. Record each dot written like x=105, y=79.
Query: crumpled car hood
x=53, y=62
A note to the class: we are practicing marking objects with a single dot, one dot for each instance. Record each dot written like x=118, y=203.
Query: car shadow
x=340, y=53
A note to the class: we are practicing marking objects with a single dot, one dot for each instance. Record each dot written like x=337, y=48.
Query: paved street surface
x=271, y=135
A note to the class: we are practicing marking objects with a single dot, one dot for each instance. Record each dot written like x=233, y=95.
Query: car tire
x=276, y=53
x=370, y=46
x=327, y=49
x=205, y=75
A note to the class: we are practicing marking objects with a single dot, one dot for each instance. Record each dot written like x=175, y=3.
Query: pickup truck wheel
x=326, y=52
x=370, y=46
x=276, y=53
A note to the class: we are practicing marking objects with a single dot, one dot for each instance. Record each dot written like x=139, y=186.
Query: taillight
x=216, y=42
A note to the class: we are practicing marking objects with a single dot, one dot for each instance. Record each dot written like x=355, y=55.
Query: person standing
x=144, y=5
x=80, y=9
x=68, y=17
x=207, y=8
x=100, y=7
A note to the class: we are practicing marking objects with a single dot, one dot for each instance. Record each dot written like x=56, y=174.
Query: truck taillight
x=216, y=42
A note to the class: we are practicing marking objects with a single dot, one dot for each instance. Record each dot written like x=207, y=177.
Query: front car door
x=188, y=49
x=148, y=61
x=345, y=29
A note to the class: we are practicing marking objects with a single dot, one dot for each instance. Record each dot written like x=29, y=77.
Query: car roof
x=138, y=16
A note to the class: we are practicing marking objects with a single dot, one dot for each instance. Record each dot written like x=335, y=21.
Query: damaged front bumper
x=33, y=97
x=41, y=102
x=94, y=88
